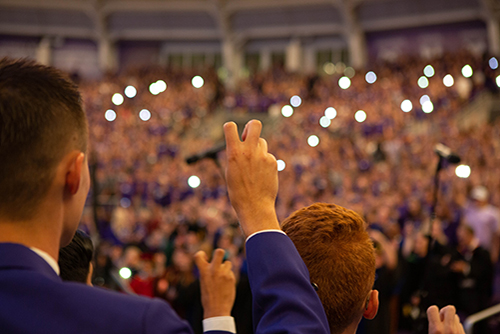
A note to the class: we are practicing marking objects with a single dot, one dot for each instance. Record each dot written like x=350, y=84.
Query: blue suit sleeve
x=160, y=318
x=284, y=300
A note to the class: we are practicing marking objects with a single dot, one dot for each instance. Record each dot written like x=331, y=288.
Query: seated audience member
x=339, y=254
x=75, y=260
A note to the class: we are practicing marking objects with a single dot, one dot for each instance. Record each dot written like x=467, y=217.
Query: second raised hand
x=252, y=178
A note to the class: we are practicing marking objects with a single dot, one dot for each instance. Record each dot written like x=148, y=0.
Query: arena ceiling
x=242, y=20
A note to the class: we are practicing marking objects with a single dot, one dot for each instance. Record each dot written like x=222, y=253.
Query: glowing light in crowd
x=287, y=110
x=125, y=273
x=110, y=115
x=130, y=92
x=427, y=107
x=349, y=72
x=329, y=68
x=424, y=99
x=448, y=80
x=344, y=82
x=423, y=82
x=370, y=77
x=161, y=86
x=281, y=165
x=125, y=202
x=325, y=121
x=360, y=116
x=295, y=101
x=467, y=71
x=145, y=115
x=153, y=89
x=429, y=71
x=493, y=62
x=313, y=140
x=194, y=181
x=406, y=106
x=117, y=99
x=158, y=87
x=330, y=112
x=197, y=81
x=463, y=171
x=498, y=80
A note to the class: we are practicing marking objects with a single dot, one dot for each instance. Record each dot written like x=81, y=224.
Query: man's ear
x=74, y=171
x=371, y=307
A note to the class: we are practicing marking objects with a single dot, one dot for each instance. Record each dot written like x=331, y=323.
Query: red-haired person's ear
x=371, y=307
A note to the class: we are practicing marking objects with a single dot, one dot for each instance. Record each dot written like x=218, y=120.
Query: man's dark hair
x=74, y=259
x=41, y=120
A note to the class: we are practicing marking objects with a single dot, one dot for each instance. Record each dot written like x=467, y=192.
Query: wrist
x=259, y=220
x=216, y=313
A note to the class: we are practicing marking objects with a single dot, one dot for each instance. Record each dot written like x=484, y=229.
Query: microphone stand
x=431, y=242
x=435, y=193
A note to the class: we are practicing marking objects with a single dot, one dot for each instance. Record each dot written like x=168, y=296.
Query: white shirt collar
x=49, y=259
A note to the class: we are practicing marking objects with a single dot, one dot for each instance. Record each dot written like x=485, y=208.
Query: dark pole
x=435, y=194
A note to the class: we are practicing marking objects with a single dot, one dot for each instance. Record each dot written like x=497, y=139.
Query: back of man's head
x=339, y=254
x=41, y=119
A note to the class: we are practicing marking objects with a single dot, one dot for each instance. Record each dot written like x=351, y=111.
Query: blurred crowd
x=152, y=221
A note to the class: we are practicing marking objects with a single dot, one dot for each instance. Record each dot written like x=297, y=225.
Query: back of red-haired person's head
x=339, y=254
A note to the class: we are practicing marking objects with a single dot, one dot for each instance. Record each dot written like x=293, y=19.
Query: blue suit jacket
x=284, y=300
x=33, y=299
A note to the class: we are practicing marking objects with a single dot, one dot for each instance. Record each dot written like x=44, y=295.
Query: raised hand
x=218, y=284
x=445, y=321
x=252, y=178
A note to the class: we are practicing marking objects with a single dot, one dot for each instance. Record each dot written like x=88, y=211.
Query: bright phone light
x=423, y=82
x=117, y=99
x=125, y=273
x=360, y=116
x=281, y=165
x=130, y=91
x=197, y=81
x=295, y=101
x=313, y=140
x=406, y=106
x=287, y=111
x=344, y=82
x=145, y=115
x=463, y=171
x=194, y=181
x=110, y=115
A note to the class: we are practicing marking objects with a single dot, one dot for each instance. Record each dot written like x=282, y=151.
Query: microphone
x=445, y=152
x=211, y=153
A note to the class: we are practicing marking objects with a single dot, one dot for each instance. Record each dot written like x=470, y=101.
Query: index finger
x=433, y=316
x=231, y=134
x=200, y=258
